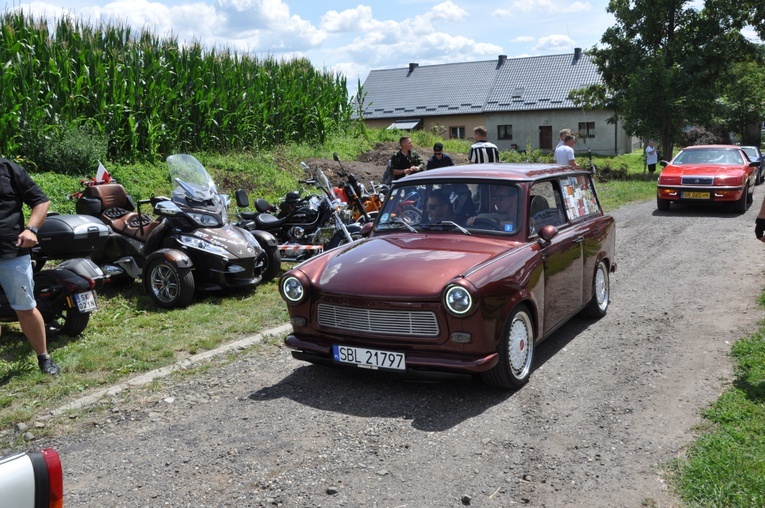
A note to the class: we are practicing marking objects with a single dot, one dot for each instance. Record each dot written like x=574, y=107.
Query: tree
x=743, y=103
x=662, y=64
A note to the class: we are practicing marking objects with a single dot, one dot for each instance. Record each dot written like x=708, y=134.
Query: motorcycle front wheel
x=168, y=285
x=71, y=322
x=339, y=239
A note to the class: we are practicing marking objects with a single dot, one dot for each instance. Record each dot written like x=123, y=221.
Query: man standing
x=563, y=133
x=16, y=189
x=406, y=161
x=651, y=157
x=482, y=150
x=564, y=154
x=439, y=159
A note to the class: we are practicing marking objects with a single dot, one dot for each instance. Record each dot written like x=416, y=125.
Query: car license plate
x=369, y=358
x=695, y=195
x=86, y=302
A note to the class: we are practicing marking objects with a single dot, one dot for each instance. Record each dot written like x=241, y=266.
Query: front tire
x=662, y=204
x=71, y=322
x=740, y=205
x=168, y=285
x=516, y=352
x=601, y=293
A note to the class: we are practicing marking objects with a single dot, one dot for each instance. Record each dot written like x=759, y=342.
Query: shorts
x=16, y=281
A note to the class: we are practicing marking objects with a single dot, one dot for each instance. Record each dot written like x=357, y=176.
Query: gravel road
x=609, y=403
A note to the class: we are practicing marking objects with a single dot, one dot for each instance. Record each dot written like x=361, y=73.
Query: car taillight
x=55, y=478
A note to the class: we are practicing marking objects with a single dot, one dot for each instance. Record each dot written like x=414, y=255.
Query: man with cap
x=439, y=158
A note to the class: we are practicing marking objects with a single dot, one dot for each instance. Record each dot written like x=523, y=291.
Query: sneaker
x=47, y=366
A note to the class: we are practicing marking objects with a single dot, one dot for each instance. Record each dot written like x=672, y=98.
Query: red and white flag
x=103, y=175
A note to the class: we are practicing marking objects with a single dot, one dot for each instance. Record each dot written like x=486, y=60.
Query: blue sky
x=354, y=37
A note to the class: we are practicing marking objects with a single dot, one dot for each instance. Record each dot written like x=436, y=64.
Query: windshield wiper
x=397, y=221
x=446, y=224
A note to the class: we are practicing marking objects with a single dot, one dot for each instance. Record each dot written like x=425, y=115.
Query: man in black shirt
x=17, y=189
x=439, y=159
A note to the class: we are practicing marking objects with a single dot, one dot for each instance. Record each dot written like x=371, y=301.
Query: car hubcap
x=518, y=344
x=601, y=287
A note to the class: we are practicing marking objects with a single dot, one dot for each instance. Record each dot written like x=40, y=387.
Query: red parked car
x=466, y=270
x=707, y=174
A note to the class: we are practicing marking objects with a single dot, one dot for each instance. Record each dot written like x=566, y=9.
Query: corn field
x=152, y=96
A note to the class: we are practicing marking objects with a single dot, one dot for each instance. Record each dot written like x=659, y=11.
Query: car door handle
x=579, y=239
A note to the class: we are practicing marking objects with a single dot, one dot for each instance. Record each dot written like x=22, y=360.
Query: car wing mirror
x=754, y=164
x=366, y=229
x=664, y=163
x=547, y=233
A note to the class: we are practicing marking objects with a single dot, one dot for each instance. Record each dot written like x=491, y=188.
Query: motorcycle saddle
x=267, y=221
x=134, y=225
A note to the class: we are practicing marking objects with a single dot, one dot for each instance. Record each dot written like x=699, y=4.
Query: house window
x=457, y=132
x=586, y=129
x=504, y=132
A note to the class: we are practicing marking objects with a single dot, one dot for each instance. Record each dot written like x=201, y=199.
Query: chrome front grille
x=382, y=322
x=698, y=180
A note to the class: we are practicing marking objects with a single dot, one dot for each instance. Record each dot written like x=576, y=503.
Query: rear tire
x=601, y=293
x=516, y=352
x=72, y=322
x=168, y=285
x=272, y=262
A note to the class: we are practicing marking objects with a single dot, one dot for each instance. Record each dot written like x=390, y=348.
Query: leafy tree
x=743, y=103
x=663, y=64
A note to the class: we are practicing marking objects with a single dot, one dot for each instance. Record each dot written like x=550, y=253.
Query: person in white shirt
x=651, y=157
x=564, y=154
x=563, y=133
x=482, y=150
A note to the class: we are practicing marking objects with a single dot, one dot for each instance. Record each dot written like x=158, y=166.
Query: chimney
x=413, y=66
x=577, y=54
x=502, y=59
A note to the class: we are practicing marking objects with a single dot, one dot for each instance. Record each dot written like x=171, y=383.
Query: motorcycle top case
x=72, y=235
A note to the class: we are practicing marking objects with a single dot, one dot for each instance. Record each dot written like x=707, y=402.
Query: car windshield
x=723, y=156
x=452, y=205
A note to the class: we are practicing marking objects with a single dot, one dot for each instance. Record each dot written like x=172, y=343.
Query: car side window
x=544, y=207
x=578, y=197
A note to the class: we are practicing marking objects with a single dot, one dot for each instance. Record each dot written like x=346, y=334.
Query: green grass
x=725, y=467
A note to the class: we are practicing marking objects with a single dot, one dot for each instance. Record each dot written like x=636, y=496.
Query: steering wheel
x=484, y=223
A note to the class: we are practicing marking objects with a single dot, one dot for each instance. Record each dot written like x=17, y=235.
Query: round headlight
x=458, y=300
x=292, y=289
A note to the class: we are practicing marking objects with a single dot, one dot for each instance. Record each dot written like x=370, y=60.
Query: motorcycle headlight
x=292, y=289
x=201, y=244
x=205, y=221
x=458, y=300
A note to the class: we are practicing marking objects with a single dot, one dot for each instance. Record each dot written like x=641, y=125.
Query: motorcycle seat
x=134, y=225
x=268, y=221
x=115, y=212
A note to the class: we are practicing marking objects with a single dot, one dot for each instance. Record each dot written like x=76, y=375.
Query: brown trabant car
x=465, y=270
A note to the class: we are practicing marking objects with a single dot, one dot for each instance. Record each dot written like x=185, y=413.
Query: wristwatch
x=32, y=229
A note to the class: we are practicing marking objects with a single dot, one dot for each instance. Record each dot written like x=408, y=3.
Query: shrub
x=610, y=171
x=73, y=150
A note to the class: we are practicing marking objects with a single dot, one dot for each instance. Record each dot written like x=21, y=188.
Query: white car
x=31, y=480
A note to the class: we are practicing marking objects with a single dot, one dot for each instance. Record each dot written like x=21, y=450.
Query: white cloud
x=556, y=43
x=502, y=13
x=550, y=6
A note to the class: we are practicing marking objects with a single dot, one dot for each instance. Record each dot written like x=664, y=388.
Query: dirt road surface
x=609, y=403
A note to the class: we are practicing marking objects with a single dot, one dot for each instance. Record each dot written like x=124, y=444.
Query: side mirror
x=548, y=232
x=664, y=164
x=241, y=198
x=366, y=229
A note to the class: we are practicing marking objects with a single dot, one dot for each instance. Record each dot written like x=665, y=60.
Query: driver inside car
x=504, y=201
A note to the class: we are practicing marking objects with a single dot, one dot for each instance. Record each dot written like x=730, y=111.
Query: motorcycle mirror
x=334, y=156
x=305, y=166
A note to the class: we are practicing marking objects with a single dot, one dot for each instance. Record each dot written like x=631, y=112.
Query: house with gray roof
x=522, y=101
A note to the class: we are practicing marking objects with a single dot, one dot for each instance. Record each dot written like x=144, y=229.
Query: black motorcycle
x=303, y=225
x=190, y=245
x=66, y=294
